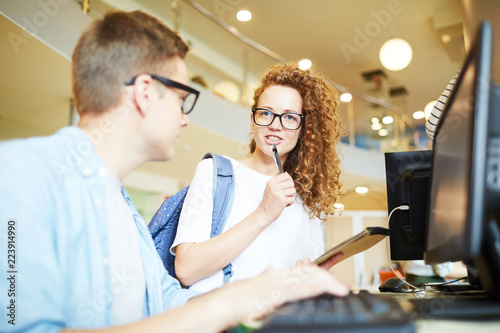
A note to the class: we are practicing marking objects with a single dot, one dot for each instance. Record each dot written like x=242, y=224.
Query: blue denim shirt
x=52, y=192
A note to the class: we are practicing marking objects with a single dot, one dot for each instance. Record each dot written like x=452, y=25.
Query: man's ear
x=141, y=93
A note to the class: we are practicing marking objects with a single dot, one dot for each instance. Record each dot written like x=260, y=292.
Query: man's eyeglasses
x=265, y=117
x=188, y=101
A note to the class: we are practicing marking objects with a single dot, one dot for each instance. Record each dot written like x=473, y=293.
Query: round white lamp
x=419, y=115
x=361, y=189
x=244, y=16
x=305, y=64
x=346, y=97
x=395, y=54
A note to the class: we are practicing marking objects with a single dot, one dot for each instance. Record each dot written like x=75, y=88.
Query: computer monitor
x=464, y=199
x=407, y=181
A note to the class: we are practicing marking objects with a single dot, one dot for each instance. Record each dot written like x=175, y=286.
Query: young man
x=81, y=256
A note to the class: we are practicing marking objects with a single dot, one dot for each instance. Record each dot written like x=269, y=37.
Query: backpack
x=163, y=225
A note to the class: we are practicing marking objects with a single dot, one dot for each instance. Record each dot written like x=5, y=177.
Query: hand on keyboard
x=351, y=313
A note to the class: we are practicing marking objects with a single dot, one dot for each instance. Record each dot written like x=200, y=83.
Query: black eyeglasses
x=265, y=117
x=188, y=101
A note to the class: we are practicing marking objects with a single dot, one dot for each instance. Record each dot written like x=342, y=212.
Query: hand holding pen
x=278, y=194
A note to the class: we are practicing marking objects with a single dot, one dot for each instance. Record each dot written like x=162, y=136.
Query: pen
x=277, y=158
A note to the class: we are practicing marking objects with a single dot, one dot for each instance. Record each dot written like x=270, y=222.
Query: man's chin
x=167, y=156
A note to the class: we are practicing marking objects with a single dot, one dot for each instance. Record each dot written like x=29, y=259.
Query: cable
x=445, y=283
x=415, y=289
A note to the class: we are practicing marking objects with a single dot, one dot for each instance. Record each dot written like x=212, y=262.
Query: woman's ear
x=141, y=94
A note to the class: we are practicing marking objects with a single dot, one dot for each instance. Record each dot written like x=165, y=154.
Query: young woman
x=275, y=218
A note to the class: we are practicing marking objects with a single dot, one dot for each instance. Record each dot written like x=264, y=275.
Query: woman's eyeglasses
x=265, y=117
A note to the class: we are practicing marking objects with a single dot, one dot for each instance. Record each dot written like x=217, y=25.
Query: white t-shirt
x=291, y=237
x=418, y=267
x=125, y=263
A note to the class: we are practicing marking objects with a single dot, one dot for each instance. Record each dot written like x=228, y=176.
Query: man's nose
x=185, y=120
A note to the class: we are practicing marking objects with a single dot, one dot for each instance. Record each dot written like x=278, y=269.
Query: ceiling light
x=338, y=206
x=388, y=120
x=418, y=115
x=383, y=132
x=395, y=54
x=244, y=16
x=428, y=108
x=375, y=120
x=446, y=38
x=346, y=97
x=361, y=189
x=305, y=64
x=376, y=127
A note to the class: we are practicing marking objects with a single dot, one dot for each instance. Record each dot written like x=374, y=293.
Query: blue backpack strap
x=223, y=194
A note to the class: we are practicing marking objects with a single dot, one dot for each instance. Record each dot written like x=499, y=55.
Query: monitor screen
x=462, y=202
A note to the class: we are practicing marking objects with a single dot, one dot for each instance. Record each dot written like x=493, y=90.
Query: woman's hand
x=333, y=260
x=279, y=193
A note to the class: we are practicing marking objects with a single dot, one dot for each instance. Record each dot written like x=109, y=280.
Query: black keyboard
x=358, y=312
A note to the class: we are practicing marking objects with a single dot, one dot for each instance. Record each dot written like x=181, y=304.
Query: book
x=356, y=244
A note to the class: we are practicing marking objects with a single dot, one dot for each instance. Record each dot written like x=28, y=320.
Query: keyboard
x=357, y=312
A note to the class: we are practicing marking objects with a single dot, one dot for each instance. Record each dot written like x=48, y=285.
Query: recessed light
x=346, y=97
x=244, y=15
x=446, y=38
x=361, y=189
x=418, y=115
x=383, y=132
x=388, y=120
x=338, y=206
x=305, y=64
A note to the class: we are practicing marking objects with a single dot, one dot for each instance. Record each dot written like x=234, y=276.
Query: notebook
x=358, y=243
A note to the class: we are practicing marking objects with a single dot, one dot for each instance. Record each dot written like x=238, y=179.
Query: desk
x=455, y=326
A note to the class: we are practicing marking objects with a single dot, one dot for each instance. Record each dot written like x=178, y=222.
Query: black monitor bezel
x=480, y=56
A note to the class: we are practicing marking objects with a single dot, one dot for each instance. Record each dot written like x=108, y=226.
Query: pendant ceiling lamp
x=395, y=54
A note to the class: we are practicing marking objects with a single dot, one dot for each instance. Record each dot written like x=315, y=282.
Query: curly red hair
x=314, y=163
